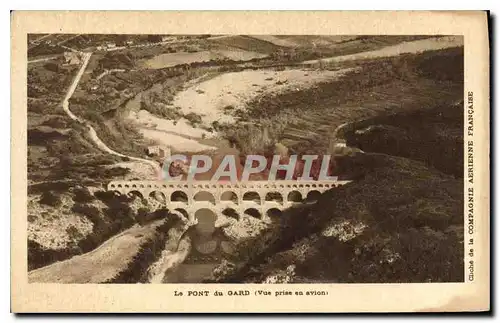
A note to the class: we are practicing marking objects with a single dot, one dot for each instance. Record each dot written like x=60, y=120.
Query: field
x=246, y=43
x=416, y=46
x=304, y=41
x=172, y=59
x=220, y=97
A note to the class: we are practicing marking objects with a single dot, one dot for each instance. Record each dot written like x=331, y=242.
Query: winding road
x=91, y=131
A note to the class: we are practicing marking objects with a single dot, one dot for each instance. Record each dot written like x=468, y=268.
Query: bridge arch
x=274, y=213
x=252, y=196
x=229, y=196
x=158, y=196
x=206, y=221
x=133, y=194
x=183, y=212
x=253, y=212
x=313, y=196
x=231, y=213
x=204, y=196
x=294, y=196
x=274, y=196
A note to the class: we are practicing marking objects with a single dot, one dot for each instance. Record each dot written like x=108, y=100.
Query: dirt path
x=72, y=88
x=173, y=59
x=174, y=254
x=92, y=133
x=416, y=46
x=107, y=72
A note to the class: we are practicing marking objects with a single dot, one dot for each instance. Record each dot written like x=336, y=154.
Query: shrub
x=53, y=67
x=119, y=211
x=144, y=216
x=114, y=60
x=216, y=126
x=73, y=233
x=82, y=195
x=110, y=197
x=193, y=118
x=116, y=172
x=48, y=186
x=90, y=212
x=251, y=138
x=56, y=122
x=39, y=256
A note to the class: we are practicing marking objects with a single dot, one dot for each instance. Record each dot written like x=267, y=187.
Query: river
x=192, y=255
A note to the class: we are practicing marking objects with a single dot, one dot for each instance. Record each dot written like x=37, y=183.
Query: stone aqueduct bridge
x=256, y=198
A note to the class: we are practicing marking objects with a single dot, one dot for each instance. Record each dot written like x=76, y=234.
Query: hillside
x=401, y=218
x=116, y=258
x=305, y=120
x=400, y=221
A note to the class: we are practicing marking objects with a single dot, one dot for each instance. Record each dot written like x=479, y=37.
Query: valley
x=379, y=105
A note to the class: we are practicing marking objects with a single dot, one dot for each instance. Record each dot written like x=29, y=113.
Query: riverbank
x=110, y=262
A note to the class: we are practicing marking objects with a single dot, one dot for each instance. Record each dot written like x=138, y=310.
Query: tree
x=53, y=67
x=154, y=38
x=82, y=195
x=49, y=198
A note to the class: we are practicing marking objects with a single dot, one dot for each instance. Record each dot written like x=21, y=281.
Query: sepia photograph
x=181, y=169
